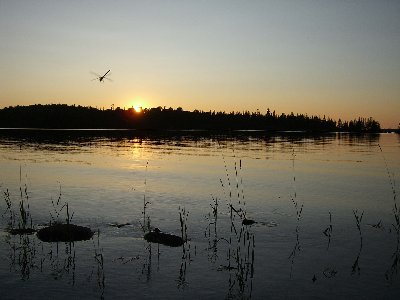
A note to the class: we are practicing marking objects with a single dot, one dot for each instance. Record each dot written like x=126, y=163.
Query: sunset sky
x=335, y=58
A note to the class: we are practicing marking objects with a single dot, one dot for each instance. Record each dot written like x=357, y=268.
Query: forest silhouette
x=63, y=116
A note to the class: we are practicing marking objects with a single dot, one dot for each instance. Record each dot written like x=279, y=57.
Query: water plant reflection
x=99, y=258
x=23, y=256
x=299, y=211
x=356, y=267
x=237, y=244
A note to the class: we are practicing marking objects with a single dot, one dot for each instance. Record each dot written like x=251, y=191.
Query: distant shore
x=62, y=116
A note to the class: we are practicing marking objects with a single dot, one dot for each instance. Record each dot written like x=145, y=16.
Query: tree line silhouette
x=63, y=116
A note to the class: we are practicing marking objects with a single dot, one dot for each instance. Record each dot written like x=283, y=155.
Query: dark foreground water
x=325, y=208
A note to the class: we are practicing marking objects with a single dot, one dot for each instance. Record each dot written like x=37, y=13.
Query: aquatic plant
x=240, y=189
x=212, y=222
x=328, y=231
x=7, y=199
x=242, y=251
x=212, y=218
x=238, y=209
x=239, y=242
x=183, y=217
x=58, y=207
x=171, y=240
x=358, y=218
x=146, y=219
x=25, y=215
x=25, y=223
x=59, y=231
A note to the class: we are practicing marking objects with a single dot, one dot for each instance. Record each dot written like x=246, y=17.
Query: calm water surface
x=305, y=192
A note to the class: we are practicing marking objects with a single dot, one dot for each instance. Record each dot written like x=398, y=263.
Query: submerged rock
x=118, y=225
x=248, y=221
x=20, y=231
x=64, y=233
x=167, y=239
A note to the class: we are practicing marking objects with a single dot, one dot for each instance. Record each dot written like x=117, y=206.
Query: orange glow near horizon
x=138, y=104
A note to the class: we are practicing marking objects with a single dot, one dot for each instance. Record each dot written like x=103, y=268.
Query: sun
x=138, y=105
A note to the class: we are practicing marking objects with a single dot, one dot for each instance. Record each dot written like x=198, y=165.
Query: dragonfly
x=101, y=78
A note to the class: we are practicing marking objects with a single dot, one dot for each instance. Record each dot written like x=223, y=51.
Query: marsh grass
x=23, y=248
x=243, y=257
x=239, y=241
x=212, y=219
x=58, y=208
x=183, y=220
x=59, y=230
x=186, y=247
x=237, y=209
x=146, y=225
x=25, y=215
x=239, y=185
x=11, y=219
x=20, y=223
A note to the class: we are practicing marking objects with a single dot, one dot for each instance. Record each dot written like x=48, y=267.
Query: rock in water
x=248, y=222
x=21, y=231
x=167, y=239
x=64, y=233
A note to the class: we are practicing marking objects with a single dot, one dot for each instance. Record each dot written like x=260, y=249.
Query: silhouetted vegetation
x=62, y=116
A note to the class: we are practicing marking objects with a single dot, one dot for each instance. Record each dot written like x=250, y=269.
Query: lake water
x=305, y=192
